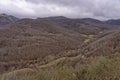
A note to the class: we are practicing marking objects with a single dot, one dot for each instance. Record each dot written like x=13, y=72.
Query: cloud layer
x=99, y=9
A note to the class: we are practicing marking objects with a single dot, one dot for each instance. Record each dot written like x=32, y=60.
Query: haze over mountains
x=42, y=40
x=6, y=19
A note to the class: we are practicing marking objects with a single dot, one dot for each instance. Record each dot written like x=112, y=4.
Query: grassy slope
x=39, y=39
x=98, y=68
x=63, y=68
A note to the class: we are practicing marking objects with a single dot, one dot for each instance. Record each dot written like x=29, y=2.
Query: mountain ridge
x=26, y=42
x=7, y=19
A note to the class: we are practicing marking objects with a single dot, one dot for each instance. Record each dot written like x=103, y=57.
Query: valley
x=70, y=49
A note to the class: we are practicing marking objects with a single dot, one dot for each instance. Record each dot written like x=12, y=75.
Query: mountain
x=6, y=19
x=91, y=20
x=113, y=22
x=107, y=44
x=29, y=40
x=56, y=18
x=30, y=46
x=100, y=57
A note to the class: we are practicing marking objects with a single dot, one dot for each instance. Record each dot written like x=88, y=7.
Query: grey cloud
x=99, y=9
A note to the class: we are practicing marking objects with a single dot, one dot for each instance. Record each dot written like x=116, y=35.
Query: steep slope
x=113, y=22
x=85, y=25
x=97, y=68
x=107, y=44
x=91, y=20
x=6, y=19
x=30, y=41
x=34, y=41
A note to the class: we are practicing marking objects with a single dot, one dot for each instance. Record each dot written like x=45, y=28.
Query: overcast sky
x=99, y=9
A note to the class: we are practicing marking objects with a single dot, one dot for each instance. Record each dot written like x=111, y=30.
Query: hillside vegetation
x=59, y=48
x=100, y=68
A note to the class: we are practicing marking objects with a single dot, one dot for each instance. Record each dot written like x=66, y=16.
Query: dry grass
x=98, y=68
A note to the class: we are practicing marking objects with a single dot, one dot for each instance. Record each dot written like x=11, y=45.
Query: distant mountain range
x=6, y=19
x=113, y=22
